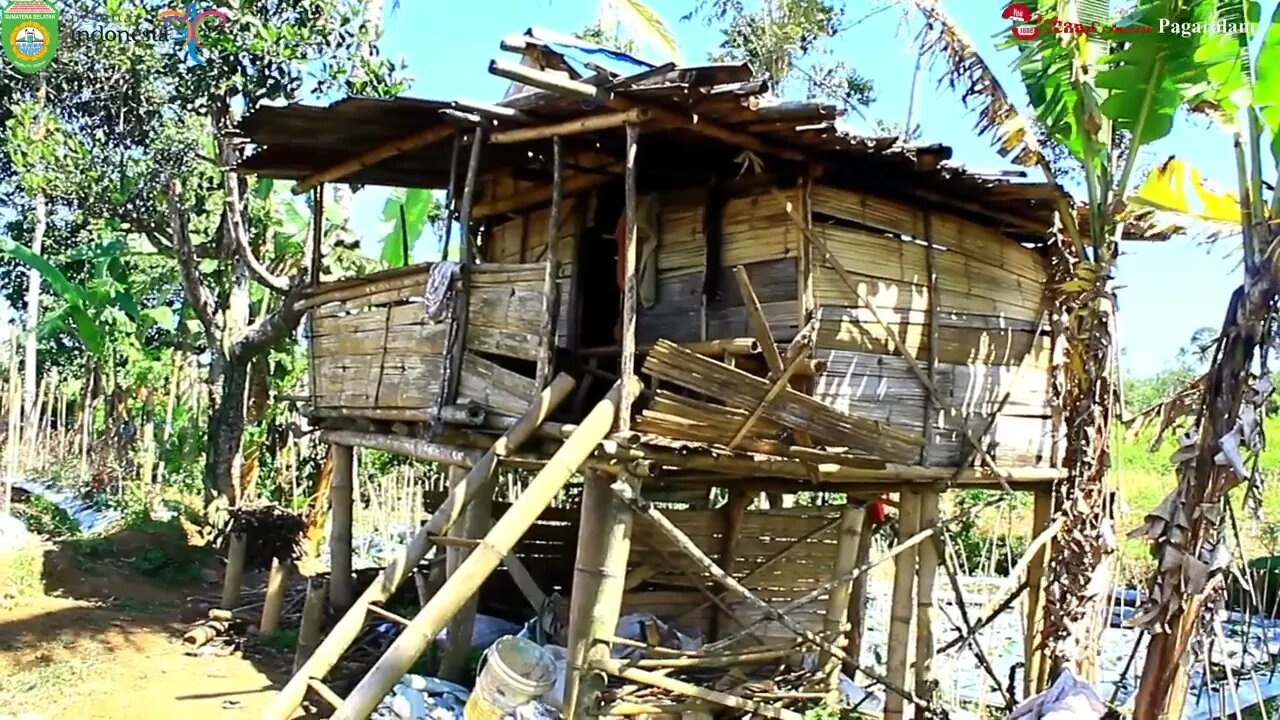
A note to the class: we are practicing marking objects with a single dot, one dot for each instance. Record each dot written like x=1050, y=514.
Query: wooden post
x=233, y=579
x=476, y=520
x=342, y=502
x=312, y=622
x=348, y=628
x=931, y=361
x=277, y=583
x=422, y=630
x=598, y=584
x=461, y=305
x=13, y=439
x=927, y=572
x=858, y=593
x=833, y=624
x=1036, y=676
x=451, y=195
x=627, y=362
x=547, y=329
x=904, y=580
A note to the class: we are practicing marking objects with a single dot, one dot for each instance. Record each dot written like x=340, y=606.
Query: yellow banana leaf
x=1176, y=186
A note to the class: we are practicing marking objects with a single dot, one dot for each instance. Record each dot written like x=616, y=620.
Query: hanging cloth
x=439, y=284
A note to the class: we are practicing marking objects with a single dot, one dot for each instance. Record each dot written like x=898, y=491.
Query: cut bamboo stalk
x=927, y=571
x=627, y=361
x=393, y=575
x=602, y=574
x=620, y=669
x=498, y=543
x=374, y=156
x=313, y=612
x=858, y=594
x=1035, y=678
x=711, y=661
x=475, y=524
x=570, y=127
x=833, y=624
x=757, y=321
x=277, y=583
x=387, y=615
x=233, y=579
x=900, y=612
x=342, y=504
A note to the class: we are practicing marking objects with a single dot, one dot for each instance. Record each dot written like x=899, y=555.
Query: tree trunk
x=226, y=430
x=170, y=403
x=30, y=378
x=147, y=454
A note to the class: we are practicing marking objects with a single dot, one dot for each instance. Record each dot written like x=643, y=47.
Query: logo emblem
x=1025, y=25
x=30, y=33
x=189, y=24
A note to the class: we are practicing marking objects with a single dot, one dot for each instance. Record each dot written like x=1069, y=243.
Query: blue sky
x=1166, y=290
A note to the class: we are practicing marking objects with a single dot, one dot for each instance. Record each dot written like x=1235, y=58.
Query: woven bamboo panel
x=368, y=381
x=755, y=228
x=399, y=330
x=676, y=314
x=523, y=239
x=964, y=284
x=964, y=237
x=843, y=329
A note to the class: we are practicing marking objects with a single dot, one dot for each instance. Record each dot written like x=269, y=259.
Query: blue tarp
x=579, y=54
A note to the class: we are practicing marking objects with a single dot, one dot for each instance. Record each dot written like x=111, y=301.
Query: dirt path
x=107, y=645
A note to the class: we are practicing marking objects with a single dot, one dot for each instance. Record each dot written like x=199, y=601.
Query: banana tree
x=1097, y=99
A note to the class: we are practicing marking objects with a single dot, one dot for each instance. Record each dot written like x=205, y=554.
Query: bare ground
x=105, y=643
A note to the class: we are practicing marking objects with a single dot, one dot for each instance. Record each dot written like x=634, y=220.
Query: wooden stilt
x=348, y=628
x=313, y=612
x=904, y=580
x=277, y=583
x=627, y=361
x=587, y=575
x=927, y=571
x=233, y=579
x=415, y=638
x=833, y=625
x=858, y=593
x=597, y=613
x=476, y=521
x=737, y=506
x=342, y=502
x=1037, y=666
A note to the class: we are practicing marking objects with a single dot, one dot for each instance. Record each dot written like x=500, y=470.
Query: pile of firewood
x=272, y=532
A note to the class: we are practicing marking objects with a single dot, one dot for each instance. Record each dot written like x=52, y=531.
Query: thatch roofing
x=299, y=141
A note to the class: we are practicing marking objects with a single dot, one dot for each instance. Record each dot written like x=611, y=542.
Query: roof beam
x=570, y=127
x=374, y=156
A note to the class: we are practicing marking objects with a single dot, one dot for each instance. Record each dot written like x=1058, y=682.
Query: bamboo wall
x=379, y=351
x=523, y=239
x=989, y=294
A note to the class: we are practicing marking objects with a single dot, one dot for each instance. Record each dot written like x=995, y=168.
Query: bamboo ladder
x=484, y=559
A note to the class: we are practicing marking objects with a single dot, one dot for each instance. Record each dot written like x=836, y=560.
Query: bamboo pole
x=574, y=183
x=732, y=516
x=277, y=583
x=782, y=382
x=757, y=321
x=476, y=520
x=313, y=612
x=900, y=612
x=620, y=669
x=462, y=299
x=570, y=127
x=927, y=571
x=599, y=578
x=713, y=348
x=342, y=503
x=498, y=543
x=627, y=362
x=856, y=614
x=833, y=624
x=547, y=324
x=374, y=156
x=397, y=445
x=348, y=628
x=233, y=578
x=1035, y=678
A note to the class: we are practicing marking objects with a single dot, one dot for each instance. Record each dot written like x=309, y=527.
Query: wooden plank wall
x=990, y=299
x=756, y=234
x=381, y=351
x=523, y=239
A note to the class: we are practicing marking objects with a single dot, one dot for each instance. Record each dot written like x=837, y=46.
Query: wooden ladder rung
x=325, y=692
x=387, y=615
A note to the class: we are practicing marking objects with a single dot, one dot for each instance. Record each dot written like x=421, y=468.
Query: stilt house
x=682, y=289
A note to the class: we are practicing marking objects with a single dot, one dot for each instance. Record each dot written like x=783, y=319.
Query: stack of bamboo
x=739, y=394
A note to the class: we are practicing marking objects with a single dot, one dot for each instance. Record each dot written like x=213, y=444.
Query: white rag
x=439, y=283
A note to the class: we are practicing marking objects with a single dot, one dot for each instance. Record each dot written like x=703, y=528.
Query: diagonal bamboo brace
x=348, y=628
x=424, y=627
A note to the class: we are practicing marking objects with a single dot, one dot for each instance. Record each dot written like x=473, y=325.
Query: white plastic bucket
x=515, y=671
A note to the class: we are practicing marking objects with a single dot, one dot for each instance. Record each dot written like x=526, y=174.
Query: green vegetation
x=43, y=517
x=22, y=571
